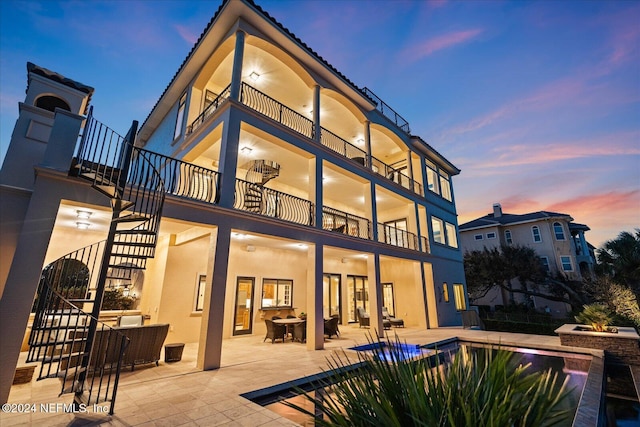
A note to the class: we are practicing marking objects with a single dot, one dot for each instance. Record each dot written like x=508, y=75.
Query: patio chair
x=331, y=327
x=363, y=317
x=395, y=322
x=274, y=331
x=300, y=332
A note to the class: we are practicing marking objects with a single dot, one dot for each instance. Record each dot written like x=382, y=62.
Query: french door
x=243, y=315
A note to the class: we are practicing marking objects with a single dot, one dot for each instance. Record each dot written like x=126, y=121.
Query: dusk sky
x=538, y=103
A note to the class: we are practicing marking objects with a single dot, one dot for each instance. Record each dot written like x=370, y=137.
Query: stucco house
x=263, y=182
x=557, y=240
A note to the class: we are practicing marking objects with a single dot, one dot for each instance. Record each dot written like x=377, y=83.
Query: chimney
x=497, y=210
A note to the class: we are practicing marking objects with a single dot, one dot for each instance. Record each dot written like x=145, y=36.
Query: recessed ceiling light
x=82, y=225
x=82, y=214
x=254, y=76
x=246, y=150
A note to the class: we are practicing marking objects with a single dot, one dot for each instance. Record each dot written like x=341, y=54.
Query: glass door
x=244, y=302
x=387, y=298
x=358, y=295
x=331, y=296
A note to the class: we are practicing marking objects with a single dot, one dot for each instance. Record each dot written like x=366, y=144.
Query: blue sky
x=537, y=102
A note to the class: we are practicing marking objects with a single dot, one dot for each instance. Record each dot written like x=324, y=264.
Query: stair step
x=141, y=232
x=66, y=356
x=136, y=244
x=132, y=218
x=130, y=267
x=107, y=190
x=125, y=255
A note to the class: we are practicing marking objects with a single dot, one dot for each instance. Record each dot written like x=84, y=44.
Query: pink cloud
x=187, y=34
x=600, y=203
x=425, y=48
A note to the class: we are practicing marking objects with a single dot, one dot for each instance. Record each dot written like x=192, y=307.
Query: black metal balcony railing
x=209, y=110
x=343, y=222
x=263, y=103
x=388, y=112
x=184, y=179
x=284, y=115
x=396, y=237
x=340, y=146
x=264, y=201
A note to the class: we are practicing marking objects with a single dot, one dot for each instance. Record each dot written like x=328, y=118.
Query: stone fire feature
x=622, y=347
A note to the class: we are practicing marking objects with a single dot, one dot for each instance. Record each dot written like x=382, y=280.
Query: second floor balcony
x=288, y=117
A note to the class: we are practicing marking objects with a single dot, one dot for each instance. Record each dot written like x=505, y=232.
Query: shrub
x=484, y=389
x=596, y=315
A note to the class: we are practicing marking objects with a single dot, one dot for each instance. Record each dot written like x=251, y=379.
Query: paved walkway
x=177, y=394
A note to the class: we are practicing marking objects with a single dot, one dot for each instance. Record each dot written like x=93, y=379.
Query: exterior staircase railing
x=61, y=325
x=65, y=329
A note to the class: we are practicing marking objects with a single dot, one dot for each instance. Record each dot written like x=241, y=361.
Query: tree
x=620, y=260
x=503, y=266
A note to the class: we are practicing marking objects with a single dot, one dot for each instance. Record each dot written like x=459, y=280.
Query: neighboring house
x=559, y=242
x=263, y=182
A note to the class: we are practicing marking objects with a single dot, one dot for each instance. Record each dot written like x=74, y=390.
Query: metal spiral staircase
x=66, y=336
x=258, y=174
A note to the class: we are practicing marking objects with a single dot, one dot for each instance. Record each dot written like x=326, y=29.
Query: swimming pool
x=571, y=365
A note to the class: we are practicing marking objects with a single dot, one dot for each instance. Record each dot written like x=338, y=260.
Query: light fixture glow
x=254, y=76
x=82, y=225
x=246, y=150
x=82, y=214
x=360, y=141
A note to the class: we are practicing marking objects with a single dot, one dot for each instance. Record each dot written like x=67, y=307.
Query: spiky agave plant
x=476, y=389
x=598, y=316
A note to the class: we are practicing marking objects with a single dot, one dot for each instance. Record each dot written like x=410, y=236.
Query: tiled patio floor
x=177, y=394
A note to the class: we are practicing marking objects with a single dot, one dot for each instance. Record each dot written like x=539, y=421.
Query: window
x=395, y=233
x=537, y=238
x=491, y=235
x=432, y=178
x=445, y=292
x=180, y=118
x=277, y=293
x=545, y=263
x=459, y=297
x=437, y=227
x=478, y=237
x=507, y=237
x=558, y=230
x=445, y=185
x=200, y=286
x=50, y=103
x=566, y=263
x=452, y=239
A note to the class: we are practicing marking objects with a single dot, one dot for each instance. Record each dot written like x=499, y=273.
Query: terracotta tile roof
x=52, y=75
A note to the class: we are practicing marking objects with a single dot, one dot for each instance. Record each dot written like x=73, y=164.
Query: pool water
x=564, y=364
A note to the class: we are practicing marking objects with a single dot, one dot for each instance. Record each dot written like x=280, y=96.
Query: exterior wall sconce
x=254, y=76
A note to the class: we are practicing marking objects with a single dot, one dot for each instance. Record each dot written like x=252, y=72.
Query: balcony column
x=371, y=210
x=229, y=159
x=316, y=114
x=367, y=141
x=212, y=323
x=410, y=170
x=375, y=293
x=236, y=72
x=315, y=189
x=315, y=319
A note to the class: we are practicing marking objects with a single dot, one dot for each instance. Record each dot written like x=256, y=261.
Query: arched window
x=507, y=237
x=558, y=230
x=537, y=237
x=50, y=103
